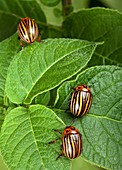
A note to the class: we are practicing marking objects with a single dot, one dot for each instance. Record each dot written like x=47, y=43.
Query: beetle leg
x=21, y=43
x=74, y=120
x=54, y=141
x=67, y=111
x=55, y=130
x=61, y=152
x=39, y=38
x=71, y=88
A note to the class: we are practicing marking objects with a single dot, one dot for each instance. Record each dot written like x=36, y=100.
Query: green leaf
x=43, y=66
x=10, y=14
x=53, y=94
x=101, y=128
x=43, y=98
x=50, y=3
x=2, y=165
x=98, y=24
x=8, y=49
x=55, y=32
x=25, y=136
x=102, y=141
x=81, y=164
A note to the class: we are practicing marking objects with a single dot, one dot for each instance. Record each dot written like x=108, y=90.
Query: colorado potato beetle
x=28, y=30
x=71, y=142
x=81, y=100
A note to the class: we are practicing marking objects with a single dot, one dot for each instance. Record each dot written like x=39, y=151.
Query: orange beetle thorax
x=83, y=88
x=70, y=130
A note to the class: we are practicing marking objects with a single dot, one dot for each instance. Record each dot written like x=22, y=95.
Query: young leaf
x=24, y=139
x=102, y=127
x=43, y=66
x=98, y=24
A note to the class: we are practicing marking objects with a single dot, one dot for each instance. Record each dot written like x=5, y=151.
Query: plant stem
x=66, y=4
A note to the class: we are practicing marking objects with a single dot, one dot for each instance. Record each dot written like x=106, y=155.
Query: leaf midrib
x=29, y=118
x=53, y=65
x=103, y=117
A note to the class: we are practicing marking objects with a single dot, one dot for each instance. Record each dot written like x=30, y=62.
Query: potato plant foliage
x=36, y=85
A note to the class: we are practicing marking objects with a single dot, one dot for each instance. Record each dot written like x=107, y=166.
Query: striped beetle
x=28, y=31
x=81, y=100
x=71, y=142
